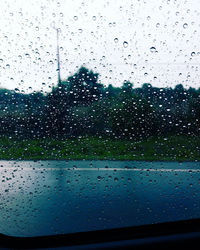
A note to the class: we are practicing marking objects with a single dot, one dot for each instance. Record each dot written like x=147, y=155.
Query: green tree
x=83, y=87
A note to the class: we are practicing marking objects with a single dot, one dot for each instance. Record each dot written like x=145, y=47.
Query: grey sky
x=93, y=33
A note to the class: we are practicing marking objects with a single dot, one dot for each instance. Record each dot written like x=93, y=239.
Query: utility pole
x=58, y=58
x=58, y=53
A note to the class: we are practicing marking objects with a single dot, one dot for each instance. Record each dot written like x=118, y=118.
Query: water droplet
x=153, y=49
x=75, y=18
x=94, y=18
x=193, y=53
x=125, y=44
x=185, y=25
x=157, y=25
x=16, y=90
x=116, y=40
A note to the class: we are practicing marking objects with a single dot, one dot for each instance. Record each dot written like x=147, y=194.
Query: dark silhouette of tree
x=111, y=91
x=127, y=89
x=83, y=87
x=80, y=105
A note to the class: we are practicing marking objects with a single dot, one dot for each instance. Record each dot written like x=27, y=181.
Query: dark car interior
x=156, y=236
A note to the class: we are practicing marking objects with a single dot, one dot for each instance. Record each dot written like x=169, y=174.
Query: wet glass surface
x=53, y=197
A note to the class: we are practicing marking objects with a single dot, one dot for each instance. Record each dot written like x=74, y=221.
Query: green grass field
x=173, y=148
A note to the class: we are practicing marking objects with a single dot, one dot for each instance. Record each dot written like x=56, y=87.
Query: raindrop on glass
x=185, y=25
x=125, y=44
x=153, y=49
x=116, y=40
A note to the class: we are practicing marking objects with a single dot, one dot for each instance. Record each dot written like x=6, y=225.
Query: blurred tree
x=133, y=118
x=83, y=87
x=127, y=89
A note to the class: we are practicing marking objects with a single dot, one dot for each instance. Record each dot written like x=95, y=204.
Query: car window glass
x=99, y=114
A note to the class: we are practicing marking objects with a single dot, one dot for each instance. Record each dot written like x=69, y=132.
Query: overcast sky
x=154, y=41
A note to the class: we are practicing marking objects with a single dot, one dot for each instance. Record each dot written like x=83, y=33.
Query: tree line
x=81, y=106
